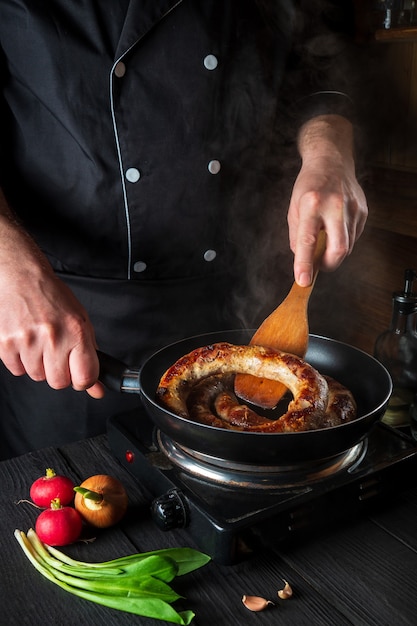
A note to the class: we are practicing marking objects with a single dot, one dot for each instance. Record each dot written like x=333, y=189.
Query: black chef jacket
x=136, y=140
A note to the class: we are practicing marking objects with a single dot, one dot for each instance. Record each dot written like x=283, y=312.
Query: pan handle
x=115, y=374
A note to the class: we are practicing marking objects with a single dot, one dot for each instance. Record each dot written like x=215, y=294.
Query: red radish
x=58, y=525
x=51, y=486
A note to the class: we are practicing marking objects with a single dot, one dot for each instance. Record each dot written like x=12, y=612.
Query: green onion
x=137, y=583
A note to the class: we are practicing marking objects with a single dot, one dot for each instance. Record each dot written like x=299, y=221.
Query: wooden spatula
x=286, y=329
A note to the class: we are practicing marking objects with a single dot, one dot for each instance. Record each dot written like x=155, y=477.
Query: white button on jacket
x=209, y=255
x=214, y=166
x=132, y=175
x=120, y=69
x=210, y=62
x=139, y=266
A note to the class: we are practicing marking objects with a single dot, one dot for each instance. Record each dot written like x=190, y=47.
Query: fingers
x=97, y=391
x=23, y=358
x=14, y=364
x=338, y=246
x=342, y=217
x=79, y=369
x=62, y=359
x=84, y=368
x=304, y=256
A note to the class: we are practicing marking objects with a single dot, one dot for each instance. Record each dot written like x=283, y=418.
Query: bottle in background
x=396, y=348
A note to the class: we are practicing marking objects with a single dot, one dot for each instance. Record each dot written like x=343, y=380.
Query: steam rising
x=326, y=57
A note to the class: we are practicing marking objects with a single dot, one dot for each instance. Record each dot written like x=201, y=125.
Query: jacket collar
x=141, y=17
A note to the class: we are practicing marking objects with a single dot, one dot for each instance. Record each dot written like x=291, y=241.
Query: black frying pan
x=367, y=379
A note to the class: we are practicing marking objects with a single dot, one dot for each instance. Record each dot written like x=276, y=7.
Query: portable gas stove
x=230, y=508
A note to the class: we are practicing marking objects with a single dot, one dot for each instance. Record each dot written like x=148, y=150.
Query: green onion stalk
x=138, y=583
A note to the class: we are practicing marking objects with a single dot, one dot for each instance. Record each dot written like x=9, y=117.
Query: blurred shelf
x=396, y=35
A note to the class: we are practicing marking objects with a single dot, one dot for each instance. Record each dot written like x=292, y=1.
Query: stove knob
x=169, y=511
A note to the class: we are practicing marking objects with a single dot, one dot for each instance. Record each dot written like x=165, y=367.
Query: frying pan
x=367, y=379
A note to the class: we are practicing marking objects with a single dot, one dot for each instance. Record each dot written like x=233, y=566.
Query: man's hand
x=326, y=195
x=44, y=330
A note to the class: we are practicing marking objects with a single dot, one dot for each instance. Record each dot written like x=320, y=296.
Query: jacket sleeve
x=322, y=68
x=3, y=113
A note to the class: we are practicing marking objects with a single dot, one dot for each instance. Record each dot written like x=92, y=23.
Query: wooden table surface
x=361, y=571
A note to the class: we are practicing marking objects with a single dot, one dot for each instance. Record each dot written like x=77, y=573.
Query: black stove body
x=231, y=510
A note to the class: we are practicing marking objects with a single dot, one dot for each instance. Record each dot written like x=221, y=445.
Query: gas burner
x=265, y=477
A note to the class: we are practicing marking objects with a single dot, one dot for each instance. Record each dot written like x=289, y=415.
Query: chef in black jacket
x=138, y=139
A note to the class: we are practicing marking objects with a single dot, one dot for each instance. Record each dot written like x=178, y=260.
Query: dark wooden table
x=361, y=571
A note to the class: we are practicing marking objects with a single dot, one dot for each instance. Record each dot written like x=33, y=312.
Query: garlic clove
x=255, y=603
x=285, y=593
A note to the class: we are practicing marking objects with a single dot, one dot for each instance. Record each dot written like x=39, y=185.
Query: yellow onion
x=101, y=500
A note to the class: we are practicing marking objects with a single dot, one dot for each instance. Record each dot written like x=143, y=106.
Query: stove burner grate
x=258, y=477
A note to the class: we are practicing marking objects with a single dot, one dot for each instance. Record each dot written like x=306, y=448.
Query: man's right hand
x=44, y=331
